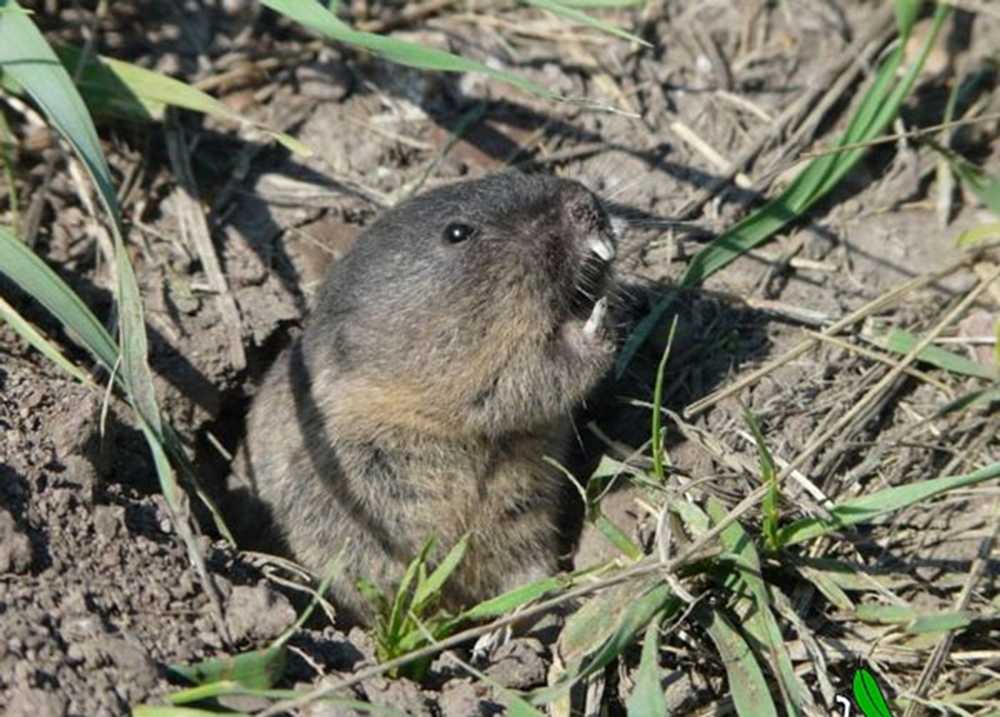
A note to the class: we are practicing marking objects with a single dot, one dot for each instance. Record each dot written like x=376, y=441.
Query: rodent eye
x=457, y=232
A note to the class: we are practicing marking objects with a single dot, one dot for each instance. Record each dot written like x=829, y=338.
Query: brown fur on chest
x=449, y=488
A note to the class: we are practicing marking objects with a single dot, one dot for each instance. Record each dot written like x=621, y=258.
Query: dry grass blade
x=878, y=109
x=869, y=399
x=569, y=12
x=195, y=228
x=896, y=136
x=884, y=301
x=8, y=154
x=644, y=568
x=937, y=658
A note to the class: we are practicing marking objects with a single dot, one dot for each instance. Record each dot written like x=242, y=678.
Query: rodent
x=441, y=365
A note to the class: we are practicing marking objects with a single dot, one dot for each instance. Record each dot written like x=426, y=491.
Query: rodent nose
x=583, y=209
x=589, y=221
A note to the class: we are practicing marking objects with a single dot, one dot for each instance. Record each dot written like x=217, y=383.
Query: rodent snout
x=588, y=219
x=583, y=209
x=595, y=241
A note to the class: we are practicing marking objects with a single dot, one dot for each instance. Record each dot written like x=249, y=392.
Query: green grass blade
x=230, y=688
x=593, y=623
x=431, y=587
x=570, y=13
x=769, y=477
x=695, y=519
x=643, y=329
x=827, y=584
x=868, y=695
x=519, y=707
x=978, y=235
x=877, y=110
x=902, y=342
x=333, y=568
x=657, y=600
x=657, y=418
x=373, y=595
x=35, y=338
x=983, y=397
x=28, y=59
x=761, y=623
x=616, y=536
x=167, y=711
x=594, y=4
x=849, y=576
x=348, y=706
x=879, y=107
x=860, y=510
x=886, y=614
x=943, y=622
x=131, y=92
x=403, y=600
x=511, y=600
x=134, y=345
x=647, y=699
x=23, y=267
x=986, y=187
x=8, y=157
x=915, y=622
x=751, y=698
x=906, y=14
x=27, y=270
x=259, y=669
x=314, y=16
x=608, y=469
x=996, y=346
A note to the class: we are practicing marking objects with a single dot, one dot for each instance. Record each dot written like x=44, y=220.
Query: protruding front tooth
x=618, y=226
x=602, y=247
x=596, y=318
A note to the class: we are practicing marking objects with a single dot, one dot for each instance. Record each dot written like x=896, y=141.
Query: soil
x=97, y=595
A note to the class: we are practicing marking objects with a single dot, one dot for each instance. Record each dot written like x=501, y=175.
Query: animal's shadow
x=712, y=337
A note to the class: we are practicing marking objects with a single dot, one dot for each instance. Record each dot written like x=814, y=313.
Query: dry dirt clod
x=15, y=547
x=257, y=613
x=519, y=664
x=467, y=699
x=400, y=694
x=109, y=521
x=32, y=702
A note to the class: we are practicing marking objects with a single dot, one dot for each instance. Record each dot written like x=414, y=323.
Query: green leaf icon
x=868, y=695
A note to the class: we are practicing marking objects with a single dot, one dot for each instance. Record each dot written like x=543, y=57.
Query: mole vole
x=442, y=363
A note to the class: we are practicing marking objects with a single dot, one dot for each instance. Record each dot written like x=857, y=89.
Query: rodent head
x=477, y=307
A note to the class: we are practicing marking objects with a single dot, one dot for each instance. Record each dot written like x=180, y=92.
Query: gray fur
x=429, y=384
